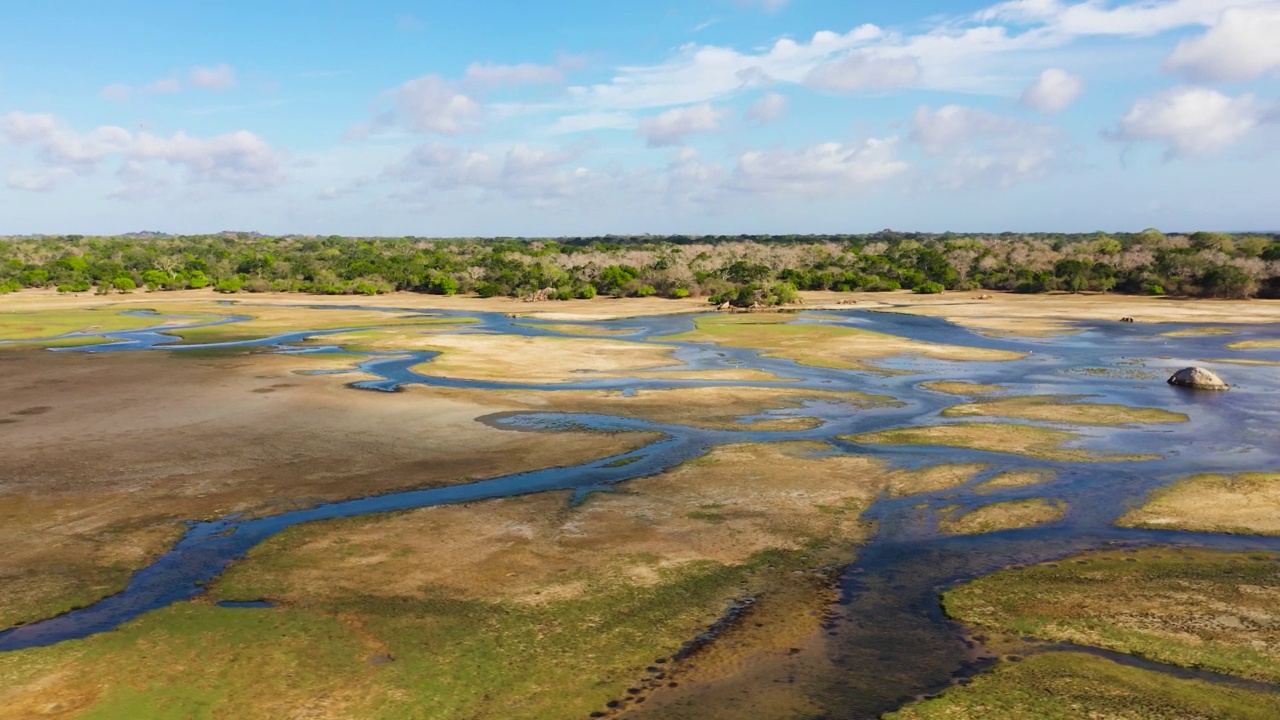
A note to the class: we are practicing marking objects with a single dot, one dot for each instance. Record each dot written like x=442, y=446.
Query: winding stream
x=889, y=641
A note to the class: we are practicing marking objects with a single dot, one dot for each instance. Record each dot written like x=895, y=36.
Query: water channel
x=888, y=640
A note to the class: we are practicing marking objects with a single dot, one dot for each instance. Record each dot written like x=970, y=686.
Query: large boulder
x=1199, y=378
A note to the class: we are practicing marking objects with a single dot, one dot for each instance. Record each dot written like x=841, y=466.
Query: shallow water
x=888, y=640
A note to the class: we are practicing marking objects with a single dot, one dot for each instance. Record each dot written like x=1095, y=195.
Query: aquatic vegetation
x=1064, y=409
x=1216, y=611
x=1016, y=478
x=963, y=388
x=29, y=325
x=1072, y=685
x=823, y=345
x=1027, y=440
x=1002, y=516
x=1255, y=345
x=1248, y=503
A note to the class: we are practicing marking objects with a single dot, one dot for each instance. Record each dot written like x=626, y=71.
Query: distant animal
x=1126, y=319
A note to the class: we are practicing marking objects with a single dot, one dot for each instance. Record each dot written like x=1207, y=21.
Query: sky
x=581, y=117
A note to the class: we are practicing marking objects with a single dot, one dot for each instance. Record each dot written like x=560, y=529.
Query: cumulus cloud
x=1243, y=45
x=1054, y=91
x=864, y=71
x=827, y=169
x=116, y=92
x=1190, y=121
x=216, y=77
x=164, y=86
x=521, y=171
x=430, y=104
x=977, y=147
x=238, y=161
x=670, y=127
x=768, y=108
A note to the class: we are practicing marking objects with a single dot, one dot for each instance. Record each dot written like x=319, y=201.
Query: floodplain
x=424, y=507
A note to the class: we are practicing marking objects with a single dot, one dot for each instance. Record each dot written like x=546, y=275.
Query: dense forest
x=742, y=270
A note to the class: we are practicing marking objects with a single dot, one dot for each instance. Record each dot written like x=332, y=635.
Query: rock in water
x=1198, y=378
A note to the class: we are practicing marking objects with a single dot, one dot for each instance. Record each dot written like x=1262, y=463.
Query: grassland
x=1248, y=503
x=823, y=345
x=1255, y=345
x=1026, y=440
x=1191, y=608
x=963, y=388
x=1064, y=409
x=1199, y=332
x=1070, y=685
x=1002, y=516
x=34, y=324
x=517, y=608
x=1016, y=478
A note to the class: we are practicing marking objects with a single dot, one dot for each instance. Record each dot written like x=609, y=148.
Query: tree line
x=740, y=270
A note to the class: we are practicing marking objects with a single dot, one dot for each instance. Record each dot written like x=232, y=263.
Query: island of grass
x=1064, y=409
x=1026, y=440
x=1011, y=515
x=1247, y=503
x=1217, y=611
x=1214, y=611
x=823, y=345
x=1255, y=345
x=1073, y=685
x=41, y=324
x=952, y=387
x=1015, y=479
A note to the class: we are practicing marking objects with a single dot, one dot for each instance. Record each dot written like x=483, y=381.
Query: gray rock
x=1199, y=378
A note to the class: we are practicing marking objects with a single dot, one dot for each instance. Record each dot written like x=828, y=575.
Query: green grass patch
x=25, y=325
x=1070, y=686
x=1193, y=608
x=1026, y=440
x=1065, y=409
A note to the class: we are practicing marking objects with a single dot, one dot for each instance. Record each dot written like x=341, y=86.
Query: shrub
x=929, y=288
x=124, y=284
x=230, y=285
x=679, y=293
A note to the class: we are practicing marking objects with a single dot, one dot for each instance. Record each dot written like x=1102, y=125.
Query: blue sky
x=584, y=117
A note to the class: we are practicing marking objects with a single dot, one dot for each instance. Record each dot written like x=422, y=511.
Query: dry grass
x=819, y=345
x=963, y=388
x=537, y=359
x=1003, y=516
x=99, y=476
x=1248, y=503
x=1062, y=409
x=1199, y=332
x=1026, y=440
x=1193, y=608
x=1255, y=345
x=1016, y=478
x=708, y=407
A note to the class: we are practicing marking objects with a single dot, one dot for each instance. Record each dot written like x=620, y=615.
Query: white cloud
x=116, y=92
x=825, y=169
x=1190, y=121
x=1094, y=17
x=864, y=71
x=1243, y=45
x=519, y=171
x=768, y=108
x=164, y=86
x=489, y=74
x=977, y=147
x=429, y=104
x=670, y=127
x=41, y=180
x=238, y=161
x=216, y=77
x=1054, y=91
